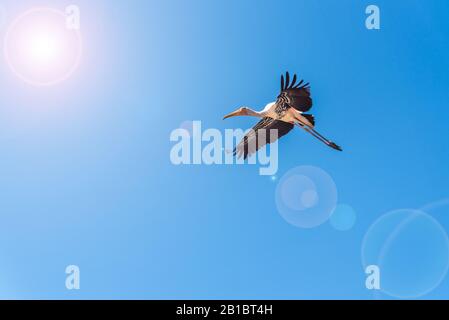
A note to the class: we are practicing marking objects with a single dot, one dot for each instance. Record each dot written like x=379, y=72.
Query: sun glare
x=44, y=48
x=40, y=49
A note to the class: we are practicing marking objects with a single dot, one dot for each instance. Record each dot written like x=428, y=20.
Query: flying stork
x=282, y=115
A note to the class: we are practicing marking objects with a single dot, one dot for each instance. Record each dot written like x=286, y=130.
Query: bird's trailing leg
x=317, y=135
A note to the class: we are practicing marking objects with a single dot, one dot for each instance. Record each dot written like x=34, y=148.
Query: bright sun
x=40, y=49
x=44, y=48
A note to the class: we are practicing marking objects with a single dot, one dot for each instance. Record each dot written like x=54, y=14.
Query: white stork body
x=291, y=115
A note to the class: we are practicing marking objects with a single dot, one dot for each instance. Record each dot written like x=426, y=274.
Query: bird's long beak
x=233, y=114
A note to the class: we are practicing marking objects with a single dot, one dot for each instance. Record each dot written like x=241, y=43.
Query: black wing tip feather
x=286, y=85
x=243, y=149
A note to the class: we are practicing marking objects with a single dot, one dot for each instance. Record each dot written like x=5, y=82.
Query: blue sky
x=86, y=177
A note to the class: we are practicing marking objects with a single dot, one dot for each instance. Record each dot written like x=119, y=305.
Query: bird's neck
x=252, y=113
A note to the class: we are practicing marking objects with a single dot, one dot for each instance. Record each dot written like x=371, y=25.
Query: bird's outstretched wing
x=295, y=95
x=254, y=140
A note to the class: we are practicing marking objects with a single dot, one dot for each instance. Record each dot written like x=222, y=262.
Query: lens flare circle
x=411, y=249
x=40, y=49
x=187, y=125
x=343, y=218
x=306, y=196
